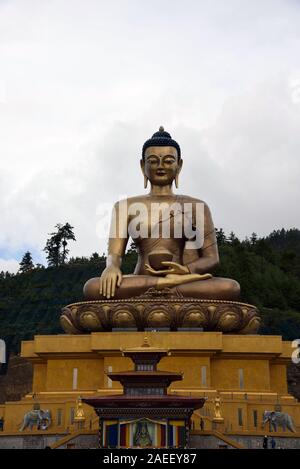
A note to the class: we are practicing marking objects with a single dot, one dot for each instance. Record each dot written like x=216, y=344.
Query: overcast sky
x=84, y=83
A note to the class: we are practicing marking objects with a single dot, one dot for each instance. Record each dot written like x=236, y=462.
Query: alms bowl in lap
x=160, y=309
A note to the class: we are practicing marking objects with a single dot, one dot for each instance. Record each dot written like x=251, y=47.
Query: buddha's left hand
x=173, y=268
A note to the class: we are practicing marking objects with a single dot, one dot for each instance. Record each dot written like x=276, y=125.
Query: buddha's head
x=161, y=160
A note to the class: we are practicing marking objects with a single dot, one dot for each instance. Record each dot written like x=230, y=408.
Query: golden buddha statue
x=164, y=261
x=172, y=285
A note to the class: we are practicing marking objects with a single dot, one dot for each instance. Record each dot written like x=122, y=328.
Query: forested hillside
x=268, y=270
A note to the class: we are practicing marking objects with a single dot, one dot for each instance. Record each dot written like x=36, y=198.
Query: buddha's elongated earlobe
x=142, y=163
x=176, y=181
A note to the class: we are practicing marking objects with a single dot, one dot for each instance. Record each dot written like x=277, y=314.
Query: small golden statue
x=217, y=410
x=79, y=412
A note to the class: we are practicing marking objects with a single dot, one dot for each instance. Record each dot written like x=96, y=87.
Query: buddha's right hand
x=110, y=279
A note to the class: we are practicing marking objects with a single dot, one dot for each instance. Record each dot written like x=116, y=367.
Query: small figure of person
x=273, y=443
x=265, y=442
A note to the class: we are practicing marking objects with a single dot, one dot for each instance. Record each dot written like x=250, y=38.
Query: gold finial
x=161, y=129
x=79, y=412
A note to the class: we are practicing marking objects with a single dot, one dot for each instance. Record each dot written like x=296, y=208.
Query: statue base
x=160, y=309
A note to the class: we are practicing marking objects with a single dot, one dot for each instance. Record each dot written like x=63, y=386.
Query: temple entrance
x=144, y=433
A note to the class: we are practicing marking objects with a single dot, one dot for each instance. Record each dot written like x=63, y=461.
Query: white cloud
x=86, y=84
x=9, y=265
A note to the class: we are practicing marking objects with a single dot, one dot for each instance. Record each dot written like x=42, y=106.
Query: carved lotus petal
x=123, y=318
x=159, y=318
x=195, y=318
x=67, y=325
x=90, y=321
x=228, y=321
x=252, y=326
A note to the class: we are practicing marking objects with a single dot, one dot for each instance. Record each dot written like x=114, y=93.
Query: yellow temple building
x=245, y=373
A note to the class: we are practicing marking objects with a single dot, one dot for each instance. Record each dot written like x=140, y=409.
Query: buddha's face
x=160, y=165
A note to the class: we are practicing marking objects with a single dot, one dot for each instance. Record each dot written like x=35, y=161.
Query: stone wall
x=293, y=379
x=83, y=442
x=249, y=442
x=91, y=442
x=255, y=442
x=207, y=442
x=17, y=381
x=41, y=441
x=27, y=441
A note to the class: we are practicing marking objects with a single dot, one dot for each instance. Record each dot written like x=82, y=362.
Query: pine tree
x=52, y=249
x=66, y=234
x=221, y=237
x=253, y=239
x=26, y=263
x=56, y=246
x=231, y=237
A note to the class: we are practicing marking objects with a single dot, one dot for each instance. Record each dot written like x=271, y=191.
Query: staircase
x=220, y=436
x=211, y=431
x=66, y=439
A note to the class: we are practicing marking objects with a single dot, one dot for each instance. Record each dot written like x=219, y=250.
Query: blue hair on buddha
x=161, y=139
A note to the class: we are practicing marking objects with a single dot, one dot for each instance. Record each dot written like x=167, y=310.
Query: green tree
x=253, y=239
x=66, y=234
x=221, y=237
x=56, y=245
x=52, y=250
x=26, y=263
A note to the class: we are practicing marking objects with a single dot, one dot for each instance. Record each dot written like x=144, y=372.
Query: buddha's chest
x=159, y=221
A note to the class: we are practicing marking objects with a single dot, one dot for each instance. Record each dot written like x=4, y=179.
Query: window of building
x=255, y=418
x=203, y=375
x=241, y=378
x=240, y=417
x=59, y=417
x=75, y=378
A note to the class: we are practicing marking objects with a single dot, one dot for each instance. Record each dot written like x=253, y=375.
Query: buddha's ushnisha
x=173, y=261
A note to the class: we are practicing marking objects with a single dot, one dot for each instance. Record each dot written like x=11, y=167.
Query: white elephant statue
x=281, y=419
x=40, y=418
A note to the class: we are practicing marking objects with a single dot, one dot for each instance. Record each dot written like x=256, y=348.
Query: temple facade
x=240, y=377
x=145, y=415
